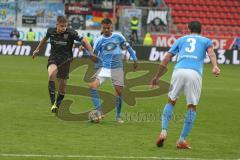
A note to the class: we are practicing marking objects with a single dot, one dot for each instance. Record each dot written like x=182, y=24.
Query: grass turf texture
x=28, y=126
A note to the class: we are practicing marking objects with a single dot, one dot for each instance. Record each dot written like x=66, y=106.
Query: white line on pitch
x=99, y=157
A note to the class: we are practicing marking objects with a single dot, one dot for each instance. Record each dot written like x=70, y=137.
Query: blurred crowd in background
x=137, y=20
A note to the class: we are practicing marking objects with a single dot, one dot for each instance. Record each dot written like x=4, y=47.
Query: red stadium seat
x=201, y=2
x=232, y=9
x=201, y=14
x=184, y=20
x=208, y=27
x=194, y=14
x=211, y=9
x=229, y=3
x=204, y=8
x=206, y=21
x=188, y=2
x=213, y=21
x=238, y=22
x=229, y=16
x=177, y=20
x=208, y=2
x=195, y=2
x=177, y=7
x=219, y=21
x=236, y=3
x=222, y=28
x=225, y=9
x=225, y=22
x=184, y=7
x=236, y=16
x=208, y=15
x=222, y=3
x=198, y=8
x=222, y=15
x=238, y=10
x=175, y=13
x=236, y=29
x=215, y=15
x=215, y=2
x=219, y=9
x=212, y=33
x=233, y=22
x=216, y=28
x=181, y=2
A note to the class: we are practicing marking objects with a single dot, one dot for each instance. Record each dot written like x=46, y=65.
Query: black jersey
x=62, y=43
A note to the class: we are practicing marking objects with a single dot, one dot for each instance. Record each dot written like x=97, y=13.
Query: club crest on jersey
x=65, y=36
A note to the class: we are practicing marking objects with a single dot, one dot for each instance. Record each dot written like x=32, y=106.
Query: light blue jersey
x=191, y=50
x=109, y=50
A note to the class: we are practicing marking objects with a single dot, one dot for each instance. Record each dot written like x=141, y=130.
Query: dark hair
x=195, y=27
x=106, y=21
x=62, y=19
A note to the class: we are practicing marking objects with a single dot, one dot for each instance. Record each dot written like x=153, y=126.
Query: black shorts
x=62, y=65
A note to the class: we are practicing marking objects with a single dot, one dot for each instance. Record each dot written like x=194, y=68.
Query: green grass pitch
x=30, y=131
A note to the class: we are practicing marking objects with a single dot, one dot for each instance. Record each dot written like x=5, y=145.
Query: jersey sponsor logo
x=65, y=36
x=189, y=57
x=60, y=42
x=110, y=47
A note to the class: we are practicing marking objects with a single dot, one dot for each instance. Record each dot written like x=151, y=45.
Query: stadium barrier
x=166, y=40
x=25, y=48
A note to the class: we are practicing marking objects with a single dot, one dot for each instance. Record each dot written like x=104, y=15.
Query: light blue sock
x=118, y=106
x=95, y=98
x=166, y=115
x=188, y=123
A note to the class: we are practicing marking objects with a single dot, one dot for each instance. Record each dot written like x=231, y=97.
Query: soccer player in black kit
x=61, y=40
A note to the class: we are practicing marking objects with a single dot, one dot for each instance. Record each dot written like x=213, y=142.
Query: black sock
x=51, y=90
x=59, y=99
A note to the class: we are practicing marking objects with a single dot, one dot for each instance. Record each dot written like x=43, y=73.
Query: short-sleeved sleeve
x=76, y=37
x=175, y=47
x=96, y=45
x=121, y=38
x=209, y=43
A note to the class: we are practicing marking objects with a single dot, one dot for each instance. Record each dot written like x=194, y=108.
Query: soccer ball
x=94, y=116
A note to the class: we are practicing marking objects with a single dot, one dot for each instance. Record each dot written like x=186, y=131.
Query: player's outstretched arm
x=36, y=51
x=215, y=69
x=90, y=49
x=162, y=69
x=132, y=54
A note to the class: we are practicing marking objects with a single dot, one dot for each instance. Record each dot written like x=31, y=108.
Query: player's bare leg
x=188, y=123
x=118, y=104
x=95, y=97
x=166, y=116
x=52, y=74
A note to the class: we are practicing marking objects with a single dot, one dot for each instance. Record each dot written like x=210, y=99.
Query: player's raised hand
x=35, y=53
x=216, y=71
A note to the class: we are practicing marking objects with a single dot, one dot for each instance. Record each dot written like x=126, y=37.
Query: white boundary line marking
x=104, y=157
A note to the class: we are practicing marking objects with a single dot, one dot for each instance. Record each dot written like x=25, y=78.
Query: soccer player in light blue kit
x=108, y=49
x=187, y=76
